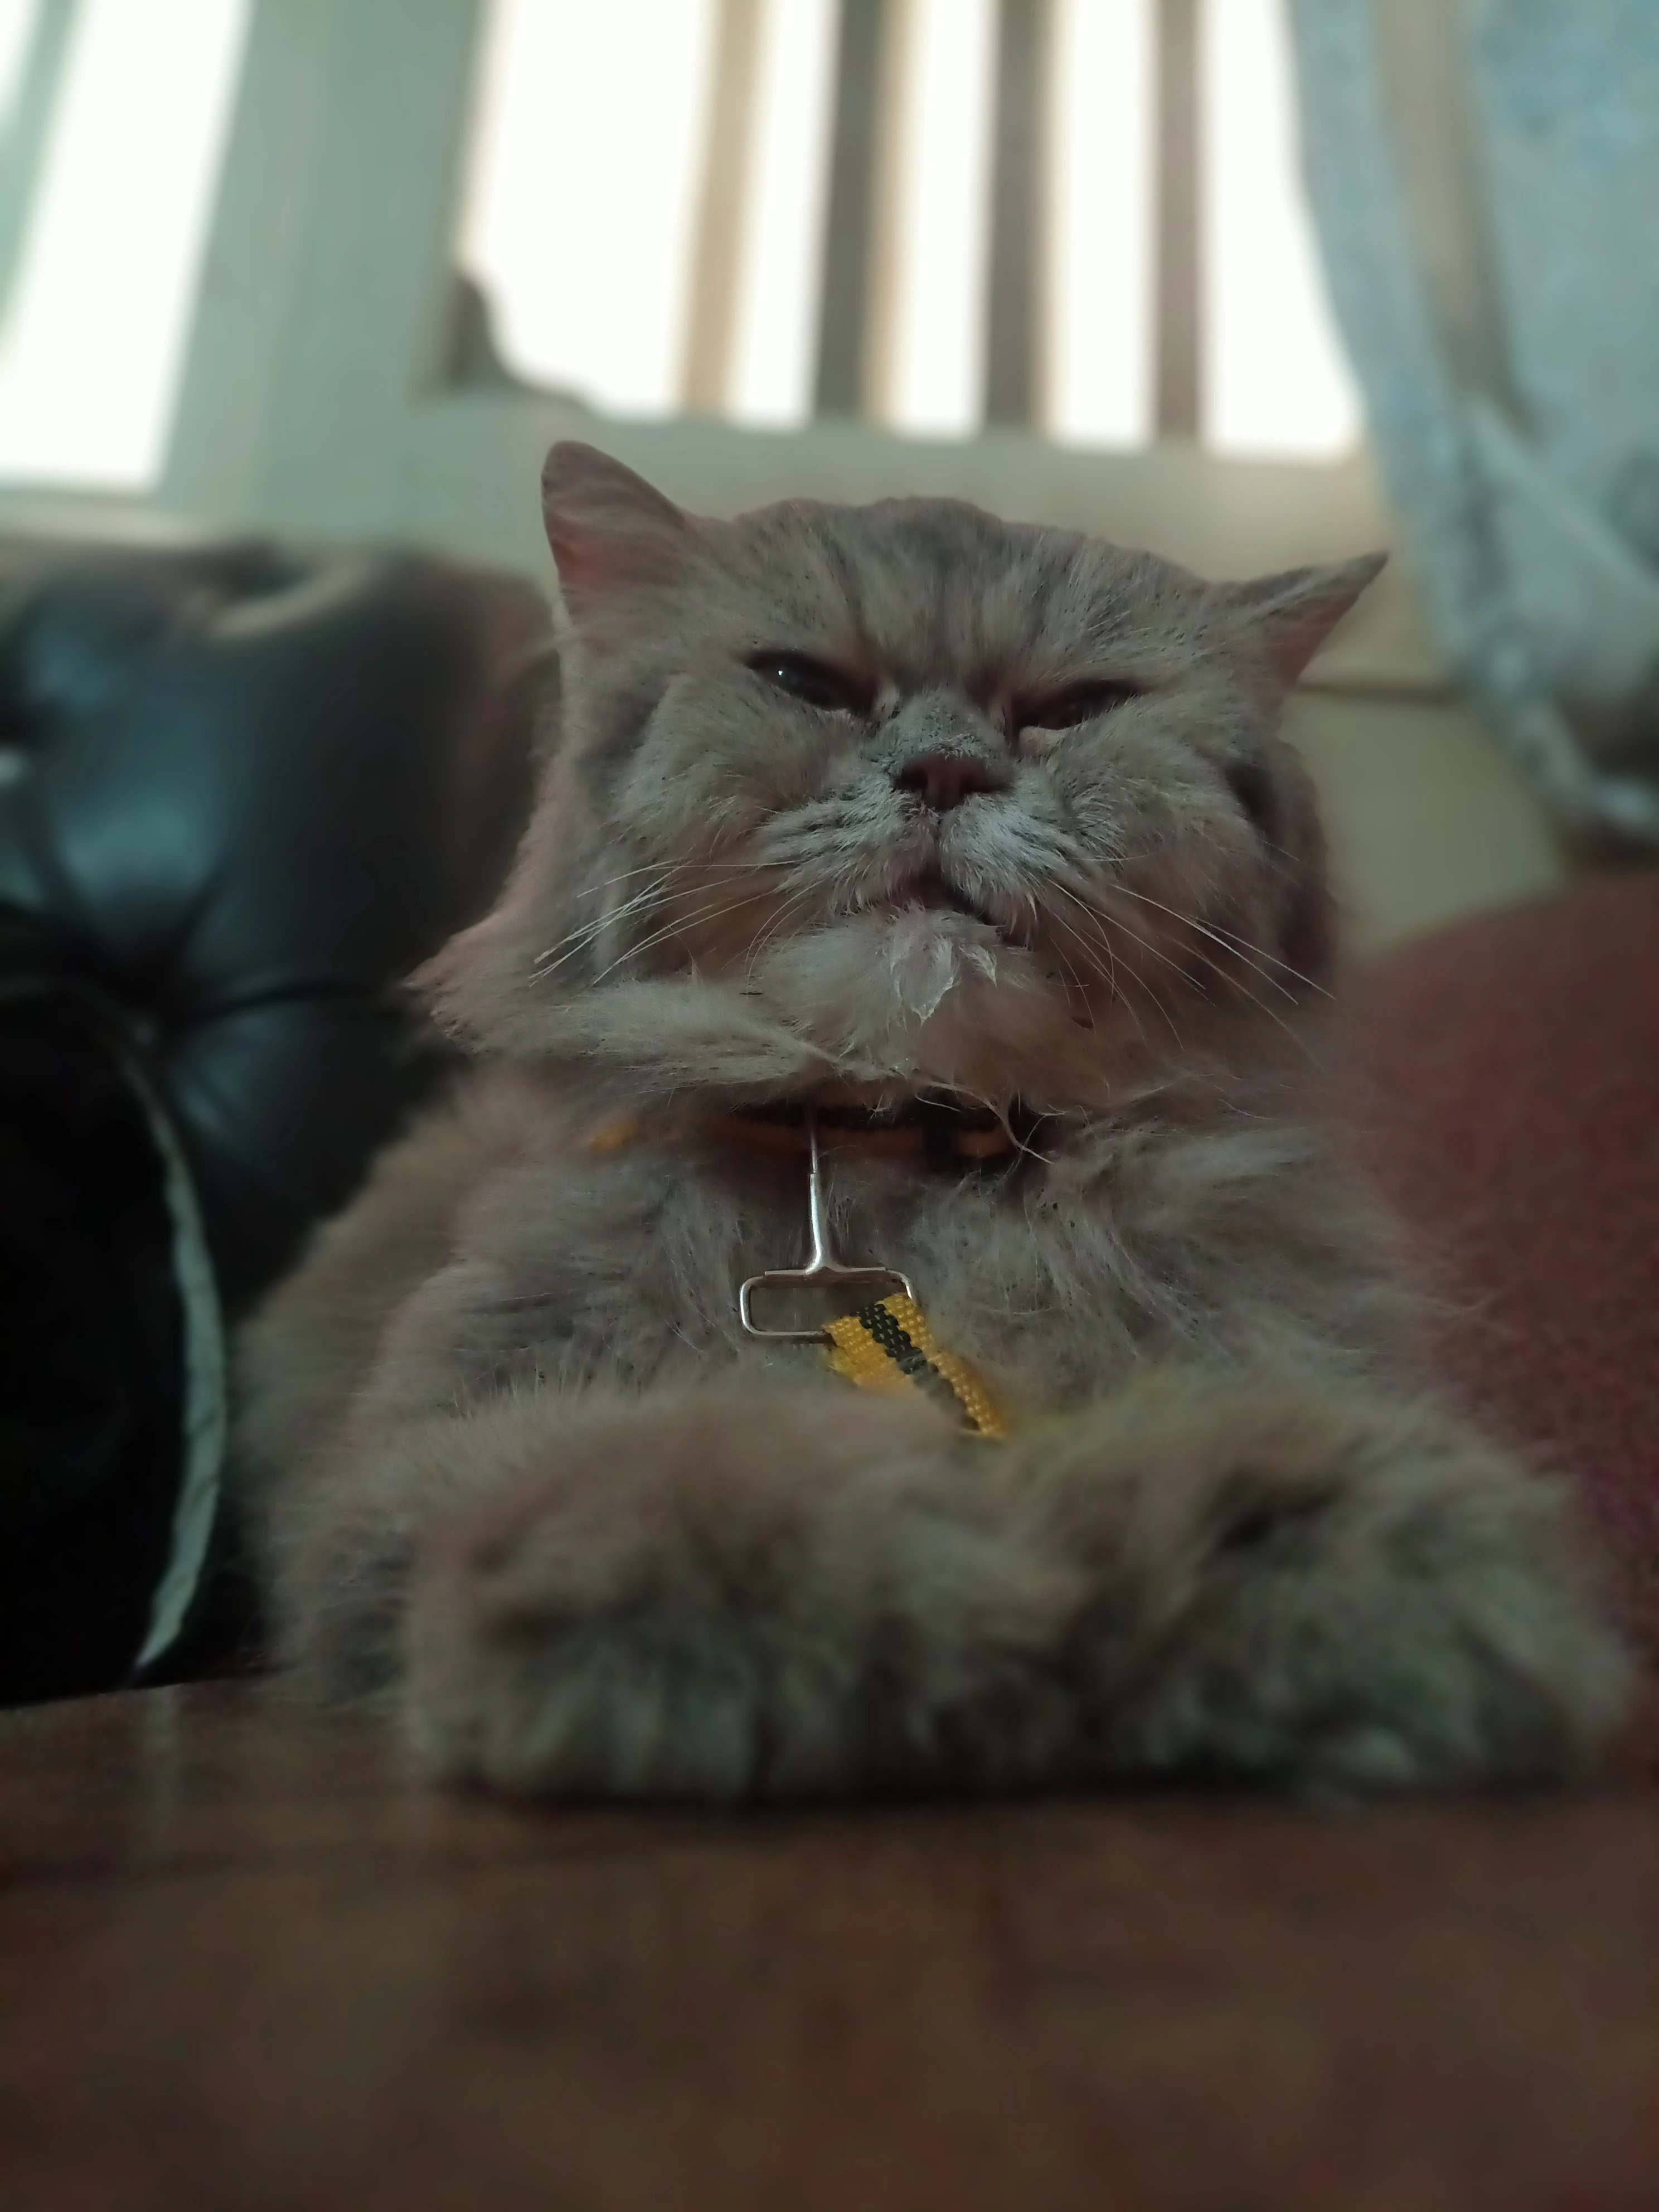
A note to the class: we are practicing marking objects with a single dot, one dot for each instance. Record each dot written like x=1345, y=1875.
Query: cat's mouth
x=931, y=892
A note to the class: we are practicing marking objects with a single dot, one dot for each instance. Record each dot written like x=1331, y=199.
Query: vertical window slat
x=726, y=187
x=1179, y=239
x=1014, y=364
x=848, y=239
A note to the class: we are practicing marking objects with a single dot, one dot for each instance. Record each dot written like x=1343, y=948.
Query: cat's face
x=947, y=800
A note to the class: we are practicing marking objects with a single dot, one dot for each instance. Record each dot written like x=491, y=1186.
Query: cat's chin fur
x=516, y=1472
x=907, y=1002
x=927, y=999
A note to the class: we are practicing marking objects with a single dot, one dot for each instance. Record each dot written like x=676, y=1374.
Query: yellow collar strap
x=890, y=1347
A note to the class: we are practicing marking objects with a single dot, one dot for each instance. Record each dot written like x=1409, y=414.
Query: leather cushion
x=243, y=790
x=246, y=790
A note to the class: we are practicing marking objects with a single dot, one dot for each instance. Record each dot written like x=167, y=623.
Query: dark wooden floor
x=246, y=1963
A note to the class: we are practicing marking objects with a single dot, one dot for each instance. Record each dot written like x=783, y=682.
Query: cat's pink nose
x=944, y=780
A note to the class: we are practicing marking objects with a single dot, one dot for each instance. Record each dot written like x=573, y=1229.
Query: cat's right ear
x=610, y=531
x=1291, y=615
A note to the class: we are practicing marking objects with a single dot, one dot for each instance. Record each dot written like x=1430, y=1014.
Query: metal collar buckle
x=823, y=1271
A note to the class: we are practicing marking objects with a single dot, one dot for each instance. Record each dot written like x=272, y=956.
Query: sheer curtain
x=1485, y=175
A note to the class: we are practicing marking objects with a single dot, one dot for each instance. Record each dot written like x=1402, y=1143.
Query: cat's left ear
x=1292, y=614
x=610, y=531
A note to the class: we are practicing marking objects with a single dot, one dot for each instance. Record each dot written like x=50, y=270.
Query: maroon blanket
x=1514, y=1114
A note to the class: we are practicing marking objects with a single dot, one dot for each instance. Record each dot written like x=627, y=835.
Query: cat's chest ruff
x=1013, y=1272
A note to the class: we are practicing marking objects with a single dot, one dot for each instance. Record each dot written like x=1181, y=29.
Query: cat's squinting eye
x=814, y=682
x=1078, y=703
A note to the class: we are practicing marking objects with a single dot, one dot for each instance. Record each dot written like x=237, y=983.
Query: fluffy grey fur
x=889, y=800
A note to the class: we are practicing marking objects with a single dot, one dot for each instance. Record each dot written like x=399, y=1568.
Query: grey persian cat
x=975, y=842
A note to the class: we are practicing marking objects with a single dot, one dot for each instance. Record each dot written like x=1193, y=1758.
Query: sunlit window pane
x=91, y=352
x=1099, y=274
x=939, y=251
x=17, y=21
x=580, y=211
x=1275, y=381
x=781, y=267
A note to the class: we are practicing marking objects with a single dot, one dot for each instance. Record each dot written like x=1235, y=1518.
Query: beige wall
x=1429, y=818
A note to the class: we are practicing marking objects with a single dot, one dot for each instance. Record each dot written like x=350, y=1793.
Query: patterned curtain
x=1485, y=176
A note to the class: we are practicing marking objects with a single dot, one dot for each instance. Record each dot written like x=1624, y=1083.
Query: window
x=1077, y=218
x=931, y=214
x=344, y=269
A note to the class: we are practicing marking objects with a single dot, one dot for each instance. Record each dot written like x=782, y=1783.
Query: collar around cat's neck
x=937, y=1130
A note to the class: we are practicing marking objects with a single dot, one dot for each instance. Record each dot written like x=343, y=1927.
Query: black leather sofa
x=244, y=789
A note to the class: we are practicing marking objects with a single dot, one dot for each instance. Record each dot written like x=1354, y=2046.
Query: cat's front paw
x=1336, y=1593
x=733, y=1597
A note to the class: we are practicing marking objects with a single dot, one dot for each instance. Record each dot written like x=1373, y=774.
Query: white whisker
x=1250, y=997
x=700, y=916
x=1238, y=947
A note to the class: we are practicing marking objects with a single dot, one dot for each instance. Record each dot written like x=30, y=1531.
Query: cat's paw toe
x=1346, y=1596
x=553, y=1661
x=581, y=1708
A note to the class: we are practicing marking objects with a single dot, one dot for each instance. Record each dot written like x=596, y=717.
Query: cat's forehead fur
x=926, y=590
x=936, y=589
